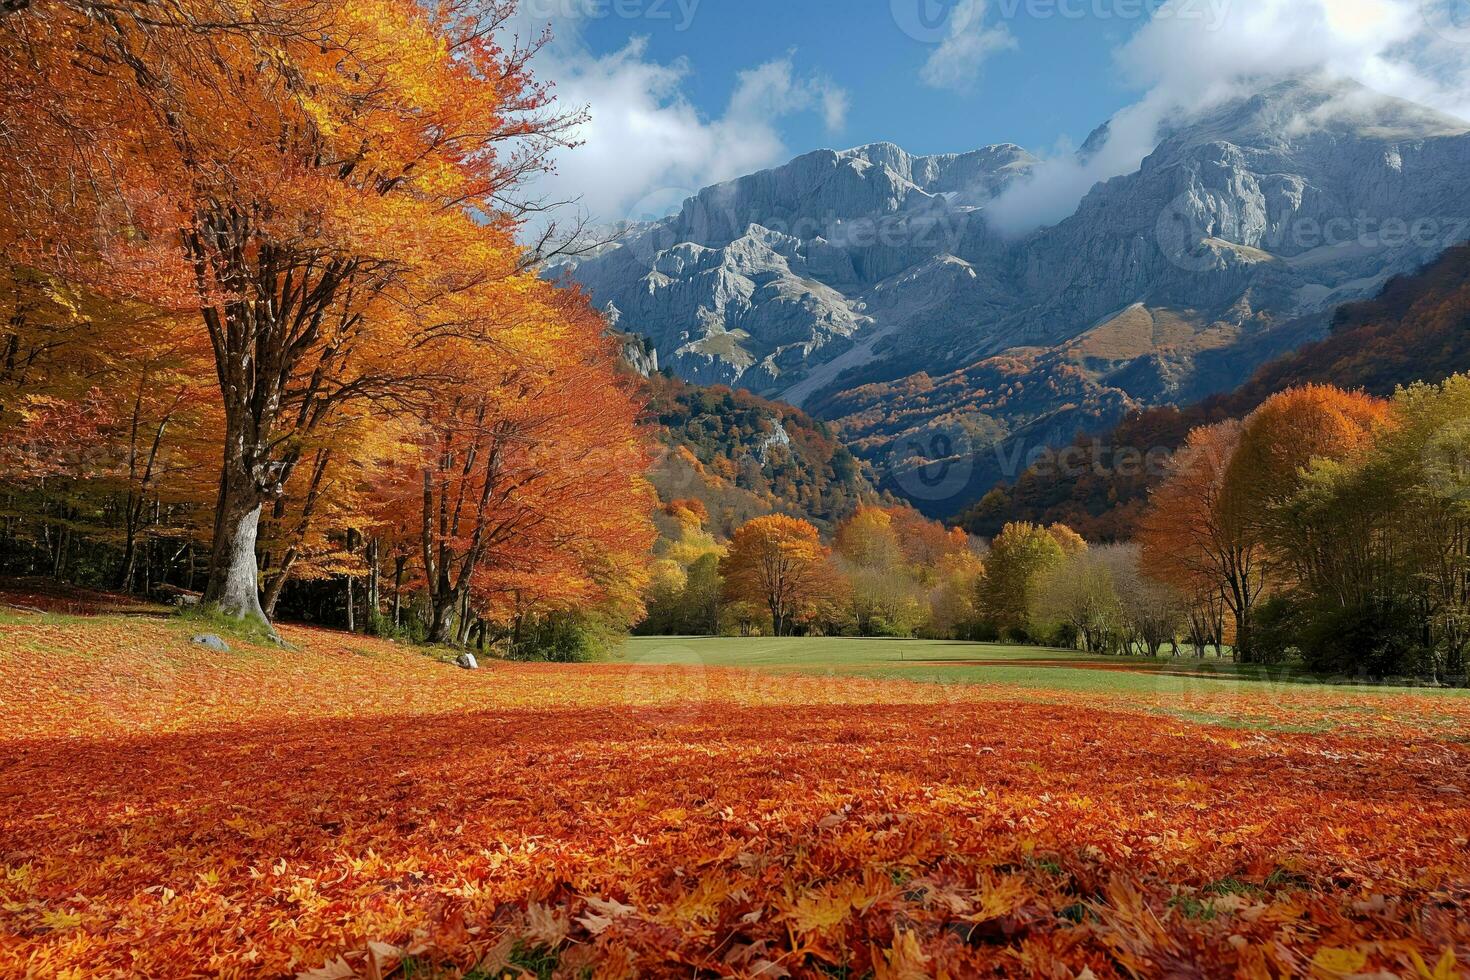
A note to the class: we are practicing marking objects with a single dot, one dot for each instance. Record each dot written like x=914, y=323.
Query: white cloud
x=772, y=90
x=956, y=62
x=1190, y=56
x=645, y=146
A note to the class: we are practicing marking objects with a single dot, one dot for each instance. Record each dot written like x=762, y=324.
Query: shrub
x=982, y=632
x=1017, y=634
x=1277, y=630
x=566, y=638
x=1377, y=638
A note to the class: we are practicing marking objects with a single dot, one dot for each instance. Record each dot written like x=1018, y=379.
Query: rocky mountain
x=871, y=287
x=1416, y=329
x=766, y=279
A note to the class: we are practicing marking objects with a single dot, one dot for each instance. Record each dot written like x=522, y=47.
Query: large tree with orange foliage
x=778, y=562
x=1279, y=440
x=325, y=185
x=524, y=486
x=1197, y=536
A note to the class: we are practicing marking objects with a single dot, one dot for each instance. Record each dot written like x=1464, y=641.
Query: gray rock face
x=638, y=351
x=467, y=661
x=841, y=268
x=760, y=280
x=1279, y=206
x=210, y=642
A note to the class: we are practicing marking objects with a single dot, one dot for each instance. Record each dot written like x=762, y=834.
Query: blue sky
x=685, y=93
x=1058, y=80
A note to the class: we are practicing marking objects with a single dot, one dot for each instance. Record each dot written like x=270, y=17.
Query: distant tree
x=869, y=540
x=1278, y=443
x=700, y=604
x=925, y=543
x=885, y=601
x=1019, y=556
x=1067, y=539
x=1152, y=610
x=952, y=610
x=1078, y=596
x=779, y=562
x=1199, y=537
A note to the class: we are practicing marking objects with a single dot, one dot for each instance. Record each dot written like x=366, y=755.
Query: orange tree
x=322, y=183
x=524, y=490
x=1278, y=443
x=1197, y=536
x=779, y=562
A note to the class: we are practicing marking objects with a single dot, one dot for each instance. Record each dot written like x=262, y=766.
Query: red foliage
x=166, y=813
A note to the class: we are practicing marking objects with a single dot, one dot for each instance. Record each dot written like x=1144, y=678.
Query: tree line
x=265, y=321
x=888, y=571
x=1329, y=526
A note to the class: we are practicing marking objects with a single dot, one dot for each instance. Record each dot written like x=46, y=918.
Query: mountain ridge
x=1416, y=329
x=869, y=286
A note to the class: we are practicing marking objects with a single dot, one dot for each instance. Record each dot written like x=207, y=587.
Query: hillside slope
x=1416, y=329
x=743, y=456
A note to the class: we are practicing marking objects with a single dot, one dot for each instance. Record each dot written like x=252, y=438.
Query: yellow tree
x=868, y=539
x=1019, y=558
x=778, y=562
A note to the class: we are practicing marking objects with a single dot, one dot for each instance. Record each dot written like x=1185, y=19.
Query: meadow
x=1211, y=689
x=352, y=807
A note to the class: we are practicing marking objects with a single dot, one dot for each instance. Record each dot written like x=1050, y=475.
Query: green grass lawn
x=950, y=662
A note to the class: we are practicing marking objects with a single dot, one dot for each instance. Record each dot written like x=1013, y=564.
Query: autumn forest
x=372, y=604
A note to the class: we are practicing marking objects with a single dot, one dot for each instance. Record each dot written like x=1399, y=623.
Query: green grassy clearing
x=950, y=662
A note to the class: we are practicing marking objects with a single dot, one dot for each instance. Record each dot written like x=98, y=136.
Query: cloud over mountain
x=1189, y=58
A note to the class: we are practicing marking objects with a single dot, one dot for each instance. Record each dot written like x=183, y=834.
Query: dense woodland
x=743, y=456
x=267, y=323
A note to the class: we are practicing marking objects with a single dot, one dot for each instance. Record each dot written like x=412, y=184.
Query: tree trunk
x=351, y=605
x=441, y=628
x=234, y=587
x=130, y=555
x=58, y=563
x=372, y=598
x=466, y=621
x=352, y=537
x=399, y=562
x=275, y=585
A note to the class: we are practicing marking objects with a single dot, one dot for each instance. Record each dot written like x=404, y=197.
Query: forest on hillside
x=1417, y=329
